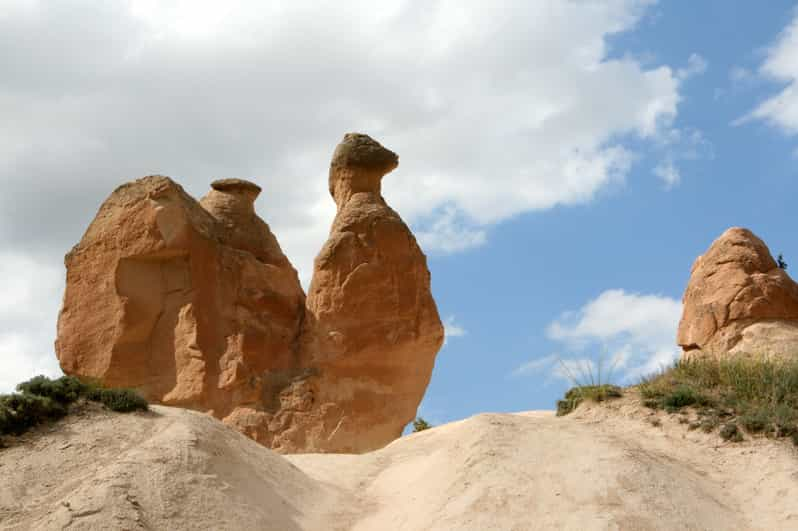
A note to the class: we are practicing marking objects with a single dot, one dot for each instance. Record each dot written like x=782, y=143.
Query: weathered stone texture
x=738, y=301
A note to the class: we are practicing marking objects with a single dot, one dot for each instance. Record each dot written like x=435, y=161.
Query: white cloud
x=634, y=334
x=496, y=108
x=29, y=299
x=23, y=358
x=449, y=234
x=533, y=118
x=452, y=329
x=696, y=65
x=668, y=172
x=781, y=65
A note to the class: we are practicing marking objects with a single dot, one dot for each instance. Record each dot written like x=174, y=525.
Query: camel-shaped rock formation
x=195, y=305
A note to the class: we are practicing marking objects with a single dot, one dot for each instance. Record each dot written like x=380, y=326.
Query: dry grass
x=757, y=395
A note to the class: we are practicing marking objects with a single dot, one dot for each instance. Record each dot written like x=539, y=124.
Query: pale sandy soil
x=599, y=468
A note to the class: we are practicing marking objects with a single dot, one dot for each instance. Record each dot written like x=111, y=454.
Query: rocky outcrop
x=194, y=304
x=738, y=301
x=371, y=320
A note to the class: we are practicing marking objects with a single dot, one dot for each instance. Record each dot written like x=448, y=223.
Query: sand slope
x=599, y=468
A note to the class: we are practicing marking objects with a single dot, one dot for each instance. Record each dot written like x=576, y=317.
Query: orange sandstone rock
x=170, y=298
x=371, y=321
x=738, y=301
x=194, y=304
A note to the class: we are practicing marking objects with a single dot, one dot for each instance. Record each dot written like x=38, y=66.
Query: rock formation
x=738, y=301
x=194, y=304
x=370, y=315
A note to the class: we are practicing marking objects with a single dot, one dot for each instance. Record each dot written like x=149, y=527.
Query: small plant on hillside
x=729, y=432
x=420, y=425
x=576, y=395
x=587, y=385
x=756, y=420
x=781, y=263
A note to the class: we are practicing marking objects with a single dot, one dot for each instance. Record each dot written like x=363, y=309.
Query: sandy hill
x=602, y=467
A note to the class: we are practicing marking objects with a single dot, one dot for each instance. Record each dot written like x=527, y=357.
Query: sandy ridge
x=603, y=467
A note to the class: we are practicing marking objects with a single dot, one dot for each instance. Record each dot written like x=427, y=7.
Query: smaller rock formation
x=738, y=301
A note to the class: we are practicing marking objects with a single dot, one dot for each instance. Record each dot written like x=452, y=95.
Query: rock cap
x=235, y=185
x=357, y=150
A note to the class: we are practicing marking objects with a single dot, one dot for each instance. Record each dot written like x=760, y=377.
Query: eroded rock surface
x=195, y=304
x=371, y=320
x=738, y=301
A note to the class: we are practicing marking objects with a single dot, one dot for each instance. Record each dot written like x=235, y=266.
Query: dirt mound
x=165, y=469
x=602, y=467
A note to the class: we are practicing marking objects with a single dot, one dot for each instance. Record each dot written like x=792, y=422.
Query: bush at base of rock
x=41, y=399
x=420, y=425
x=120, y=400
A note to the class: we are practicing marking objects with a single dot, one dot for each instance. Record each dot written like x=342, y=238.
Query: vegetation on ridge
x=757, y=395
x=734, y=396
x=587, y=385
x=420, y=425
x=578, y=394
x=41, y=399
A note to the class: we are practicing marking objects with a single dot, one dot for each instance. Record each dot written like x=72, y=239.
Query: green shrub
x=576, y=395
x=651, y=403
x=755, y=421
x=41, y=399
x=729, y=432
x=420, y=425
x=19, y=412
x=64, y=390
x=121, y=400
x=680, y=397
x=708, y=424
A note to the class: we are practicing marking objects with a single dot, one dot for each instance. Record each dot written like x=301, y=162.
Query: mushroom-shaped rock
x=738, y=301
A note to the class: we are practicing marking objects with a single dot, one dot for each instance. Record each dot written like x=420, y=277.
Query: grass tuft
x=577, y=395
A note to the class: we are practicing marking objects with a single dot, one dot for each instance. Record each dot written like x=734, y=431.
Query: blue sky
x=638, y=237
x=561, y=162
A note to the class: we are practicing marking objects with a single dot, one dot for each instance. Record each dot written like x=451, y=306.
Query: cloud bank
x=496, y=108
x=780, y=65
